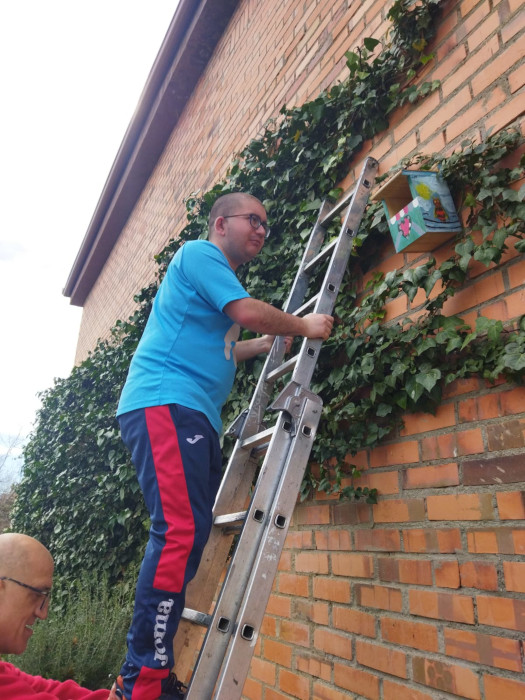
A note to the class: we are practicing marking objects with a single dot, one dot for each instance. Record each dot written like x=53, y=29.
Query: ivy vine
x=79, y=494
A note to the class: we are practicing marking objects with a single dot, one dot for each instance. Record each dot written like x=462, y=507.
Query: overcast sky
x=71, y=76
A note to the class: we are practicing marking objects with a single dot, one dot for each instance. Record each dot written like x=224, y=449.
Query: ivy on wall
x=79, y=494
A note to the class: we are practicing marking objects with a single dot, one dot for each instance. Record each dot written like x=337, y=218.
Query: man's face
x=20, y=607
x=241, y=242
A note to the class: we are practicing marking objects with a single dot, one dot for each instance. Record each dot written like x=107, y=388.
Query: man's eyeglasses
x=45, y=594
x=255, y=222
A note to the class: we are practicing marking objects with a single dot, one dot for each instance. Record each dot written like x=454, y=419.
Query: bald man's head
x=18, y=553
x=26, y=576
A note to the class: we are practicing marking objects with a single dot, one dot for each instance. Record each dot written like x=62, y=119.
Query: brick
x=469, y=442
x=478, y=574
x=442, y=606
x=425, y=422
x=385, y=482
x=467, y=5
x=500, y=540
x=497, y=67
x=516, y=273
x=514, y=573
x=311, y=611
x=461, y=386
x=396, y=691
x=506, y=309
x=299, y=539
x=325, y=692
x=428, y=541
x=479, y=408
x=445, y=114
x=295, y=633
x=293, y=684
x=447, y=574
x=497, y=688
x=333, y=643
x=511, y=505
x=333, y=539
x=488, y=287
x=468, y=506
x=379, y=597
x=506, y=436
x=271, y=694
x=292, y=584
x=312, y=515
x=263, y=670
x=278, y=652
x=437, y=476
x=378, y=540
x=467, y=69
x=454, y=679
x=405, y=571
x=502, y=117
x=483, y=649
x=516, y=80
x=311, y=562
x=439, y=447
x=508, y=613
x=513, y=27
x=348, y=513
x=252, y=689
x=480, y=37
x=397, y=453
x=353, y=565
x=335, y=590
x=497, y=469
x=279, y=605
x=381, y=658
x=418, y=635
x=313, y=666
x=355, y=621
x=357, y=681
x=399, y=510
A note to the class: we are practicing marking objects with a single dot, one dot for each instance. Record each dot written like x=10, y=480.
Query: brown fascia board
x=189, y=43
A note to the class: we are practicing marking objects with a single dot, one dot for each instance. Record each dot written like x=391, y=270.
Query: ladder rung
x=229, y=518
x=283, y=369
x=322, y=254
x=258, y=439
x=338, y=208
x=198, y=618
x=311, y=302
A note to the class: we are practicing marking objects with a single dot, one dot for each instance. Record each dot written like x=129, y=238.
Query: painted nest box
x=419, y=209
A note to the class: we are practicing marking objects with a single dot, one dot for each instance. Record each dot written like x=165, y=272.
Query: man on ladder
x=169, y=414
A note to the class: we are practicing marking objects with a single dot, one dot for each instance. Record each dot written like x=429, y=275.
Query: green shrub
x=86, y=641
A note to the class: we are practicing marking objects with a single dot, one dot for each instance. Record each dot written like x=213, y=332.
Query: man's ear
x=219, y=226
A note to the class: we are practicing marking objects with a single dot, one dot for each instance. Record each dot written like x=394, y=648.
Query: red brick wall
x=422, y=595
x=285, y=53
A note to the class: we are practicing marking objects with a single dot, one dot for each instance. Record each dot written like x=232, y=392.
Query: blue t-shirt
x=185, y=355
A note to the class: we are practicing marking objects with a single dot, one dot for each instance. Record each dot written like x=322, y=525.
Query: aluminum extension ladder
x=233, y=627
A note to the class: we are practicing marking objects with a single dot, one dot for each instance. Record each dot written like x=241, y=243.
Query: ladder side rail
x=309, y=353
x=312, y=248
x=261, y=396
x=219, y=633
x=201, y=591
x=257, y=593
x=262, y=393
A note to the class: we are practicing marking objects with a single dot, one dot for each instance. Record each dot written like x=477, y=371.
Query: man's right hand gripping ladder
x=234, y=625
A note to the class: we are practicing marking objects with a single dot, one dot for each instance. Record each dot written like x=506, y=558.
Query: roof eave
x=187, y=47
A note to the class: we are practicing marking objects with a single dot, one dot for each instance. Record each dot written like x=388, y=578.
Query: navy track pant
x=176, y=453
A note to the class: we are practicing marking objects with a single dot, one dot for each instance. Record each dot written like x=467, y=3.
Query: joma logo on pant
x=159, y=631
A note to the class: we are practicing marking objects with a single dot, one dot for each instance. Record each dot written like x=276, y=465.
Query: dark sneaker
x=172, y=688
